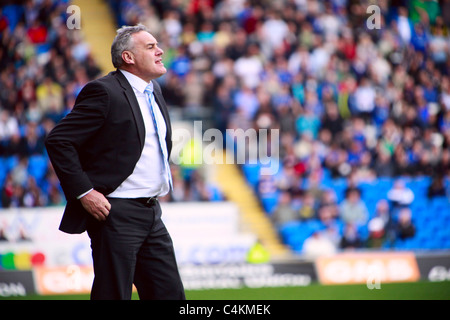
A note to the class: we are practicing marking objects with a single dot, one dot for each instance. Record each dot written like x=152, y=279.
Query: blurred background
x=361, y=99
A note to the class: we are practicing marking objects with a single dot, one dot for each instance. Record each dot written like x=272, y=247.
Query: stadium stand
x=363, y=114
x=43, y=65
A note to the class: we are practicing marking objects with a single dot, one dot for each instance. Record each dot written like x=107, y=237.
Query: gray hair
x=123, y=42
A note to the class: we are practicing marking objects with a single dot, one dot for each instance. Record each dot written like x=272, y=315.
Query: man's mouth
x=159, y=61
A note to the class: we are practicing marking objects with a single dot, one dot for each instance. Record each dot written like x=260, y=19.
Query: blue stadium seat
x=3, y=170
x=291, y=232
x=440, y=204
x=442, y=233
x=295, y=233
x=314, y=225
x=363, y=232
x=11, y=162
x=37, y=167
x=419, y=203
x=270, y=202
x=289, y=227
x=339, y=186
x=446, y=243
x=251, y=173
x=216, y=195
x=384, y=183
x=326, y=181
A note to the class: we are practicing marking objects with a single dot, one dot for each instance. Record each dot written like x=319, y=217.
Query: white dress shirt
x=149, y=177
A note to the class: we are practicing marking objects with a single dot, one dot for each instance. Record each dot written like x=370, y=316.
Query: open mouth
x=159, y=61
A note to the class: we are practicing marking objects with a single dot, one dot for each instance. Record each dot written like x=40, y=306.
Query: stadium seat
x=440, y=204
x=3, y=170
x=384, y=183
x=339, y=186
x=37, y=167
x=270, y=202
x=326, y=179
x=295, y=233
x=363, y=232
x=446, y=243
x=251, y=173
x=419, y=204
x=215, y=194
x=11, y=162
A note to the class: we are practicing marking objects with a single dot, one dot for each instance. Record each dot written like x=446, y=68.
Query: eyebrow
x=151, y=44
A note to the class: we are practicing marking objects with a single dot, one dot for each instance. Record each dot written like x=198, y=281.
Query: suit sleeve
x=65, y=141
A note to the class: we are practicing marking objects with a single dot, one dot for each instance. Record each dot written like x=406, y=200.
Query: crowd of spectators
x=43, y=66
x=351, y=101
x=42, y=69
x=374, y=102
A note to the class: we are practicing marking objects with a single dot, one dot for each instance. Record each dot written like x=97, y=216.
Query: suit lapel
x=131, y=97
x=162, y=106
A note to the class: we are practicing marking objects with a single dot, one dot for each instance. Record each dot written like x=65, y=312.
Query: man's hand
x=96, y=204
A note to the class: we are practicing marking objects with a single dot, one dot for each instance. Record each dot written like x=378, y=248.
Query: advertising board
x=338, y=269
x=201, y=232
x=16, y=283
x=76, y=280
x=434, y=266
x=30, y=237
x=367, y=267
x=63, y=280
x=236, y=276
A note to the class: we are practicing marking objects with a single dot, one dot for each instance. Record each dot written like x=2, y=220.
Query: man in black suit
x=111, y=155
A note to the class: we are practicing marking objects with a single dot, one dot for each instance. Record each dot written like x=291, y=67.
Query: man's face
x=147, y=56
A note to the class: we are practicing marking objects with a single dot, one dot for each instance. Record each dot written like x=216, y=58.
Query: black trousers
x=133, y=246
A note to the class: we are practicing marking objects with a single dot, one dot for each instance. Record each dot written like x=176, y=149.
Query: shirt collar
x=136, y=82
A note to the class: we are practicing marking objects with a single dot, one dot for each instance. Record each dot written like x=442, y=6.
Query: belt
x=147, y=201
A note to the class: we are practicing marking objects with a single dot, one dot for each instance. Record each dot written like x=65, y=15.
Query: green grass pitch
x=388, y=291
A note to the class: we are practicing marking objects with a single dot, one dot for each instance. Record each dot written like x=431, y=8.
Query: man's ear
x=128, y=57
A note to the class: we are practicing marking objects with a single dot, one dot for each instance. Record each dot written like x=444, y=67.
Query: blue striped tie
x=162, y=142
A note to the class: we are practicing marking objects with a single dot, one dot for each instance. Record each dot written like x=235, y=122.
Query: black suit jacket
x=99, y=142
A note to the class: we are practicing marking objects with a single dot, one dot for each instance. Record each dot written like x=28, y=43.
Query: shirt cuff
x=83, y=194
